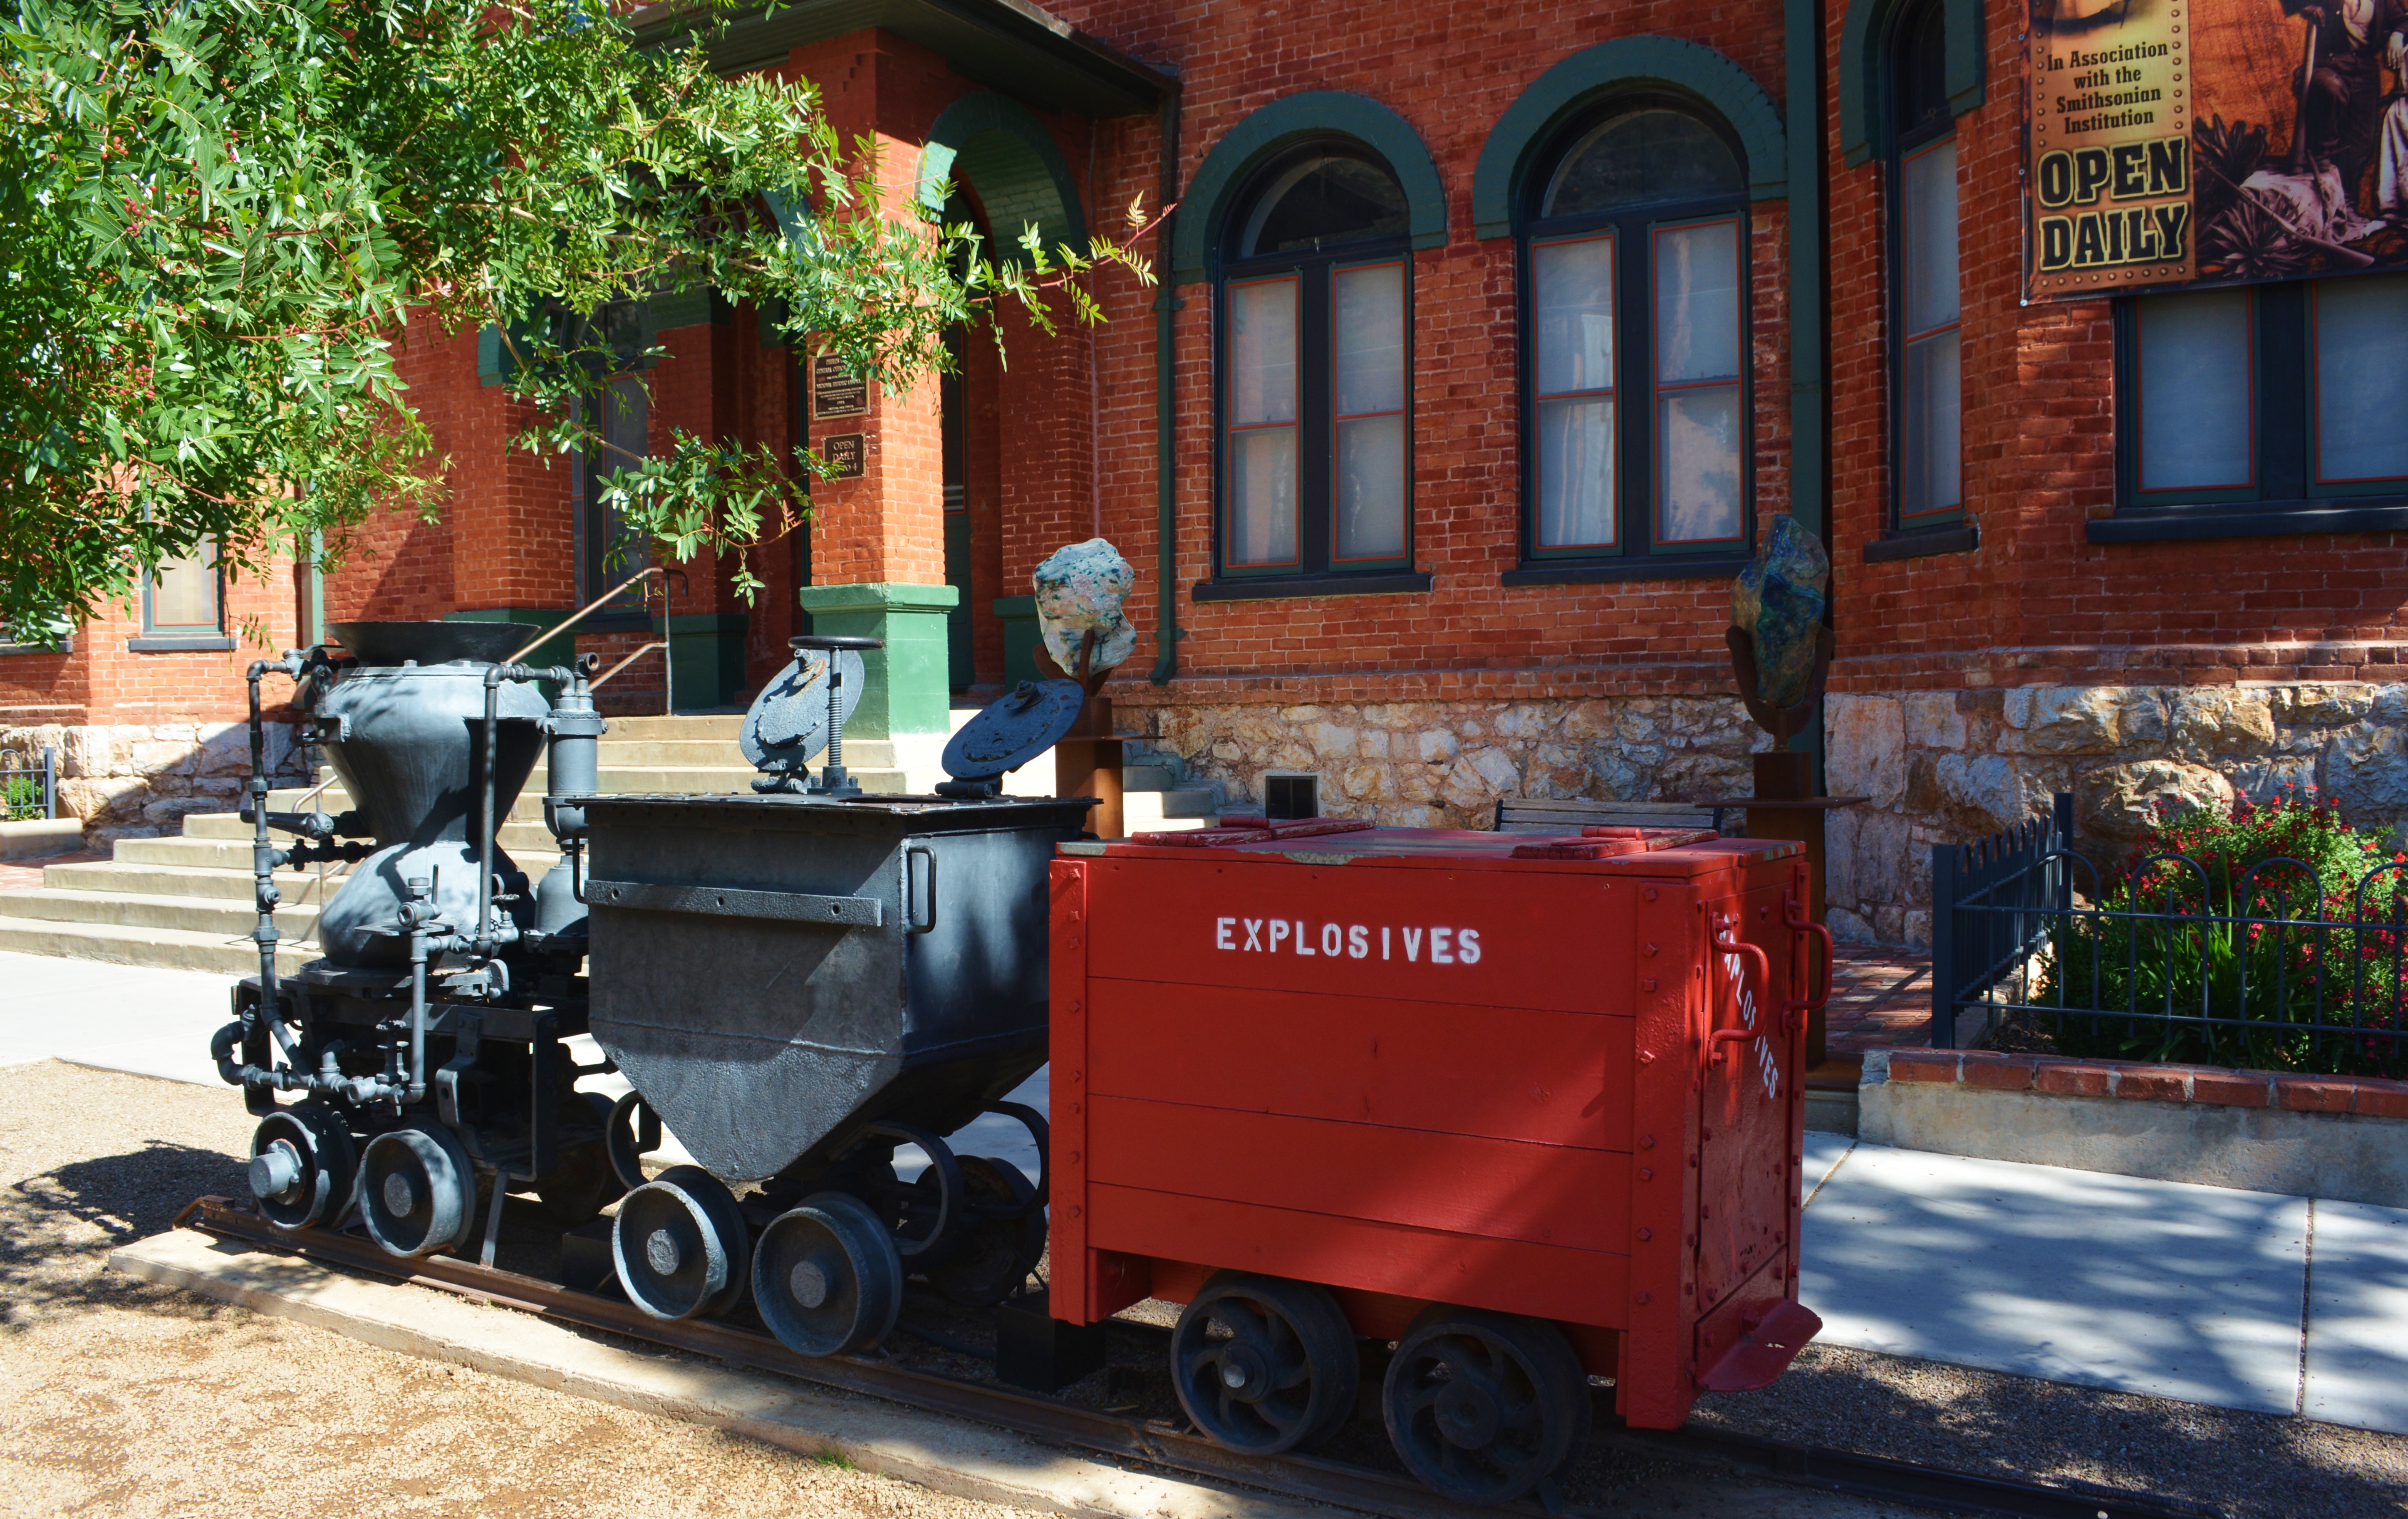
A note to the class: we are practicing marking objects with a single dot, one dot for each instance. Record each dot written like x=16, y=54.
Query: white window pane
x=1262, y=352
x=1696, y=303
x=1930, y=431
x=1700, y=466
x=1575, y=459
x=1927, y=236
x=184, y=594
x=2195, y=424
x=1369, y=337
x=2362, y=387
x=1262, y=496
x=1573, y=301
x=1370, y=486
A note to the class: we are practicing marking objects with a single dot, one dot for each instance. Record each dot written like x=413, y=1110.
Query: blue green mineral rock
x=1778, y=599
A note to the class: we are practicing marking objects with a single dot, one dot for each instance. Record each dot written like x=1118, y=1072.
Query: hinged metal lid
x=1014, y=730
x=787, y=725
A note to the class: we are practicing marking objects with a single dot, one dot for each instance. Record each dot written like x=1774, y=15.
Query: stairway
x=185, y=903
x=1156, y=796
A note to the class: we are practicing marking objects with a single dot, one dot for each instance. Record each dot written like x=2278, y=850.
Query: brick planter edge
x=2341, y=1138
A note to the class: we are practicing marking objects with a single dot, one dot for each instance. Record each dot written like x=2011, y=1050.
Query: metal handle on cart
x=913, y=921
x=1724, y=941
x=1794, y=916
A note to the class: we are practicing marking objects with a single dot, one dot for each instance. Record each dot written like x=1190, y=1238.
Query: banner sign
x=2212, y=142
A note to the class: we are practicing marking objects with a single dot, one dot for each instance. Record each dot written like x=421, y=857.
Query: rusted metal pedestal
x=1784, y=805
x=1088, y=764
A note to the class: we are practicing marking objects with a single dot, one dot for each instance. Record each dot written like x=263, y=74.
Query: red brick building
x=1487, y=341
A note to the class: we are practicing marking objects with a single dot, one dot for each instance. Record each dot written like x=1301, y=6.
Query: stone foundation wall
x=126, y=780
x=1444, y=764
x=1953, y=765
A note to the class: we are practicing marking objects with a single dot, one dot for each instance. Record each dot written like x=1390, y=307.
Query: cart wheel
x=418, y=1190
x=632, y=1132
x=1483, y=1407
x=681, y=1245
x=585, y=1182
x=826, y=1278
x=1264, y=1365
x=303, y=1165
x=997, y=1252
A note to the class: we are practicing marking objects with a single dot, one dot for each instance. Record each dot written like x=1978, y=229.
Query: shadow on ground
x=1993, y=1423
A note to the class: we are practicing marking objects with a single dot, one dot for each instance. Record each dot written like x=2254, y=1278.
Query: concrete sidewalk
x=2205, y=1295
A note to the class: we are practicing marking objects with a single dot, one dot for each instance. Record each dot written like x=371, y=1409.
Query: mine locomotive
x=1529, y=1109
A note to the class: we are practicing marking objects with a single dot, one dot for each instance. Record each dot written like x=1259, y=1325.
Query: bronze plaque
x=845, y=455
x=833, y=392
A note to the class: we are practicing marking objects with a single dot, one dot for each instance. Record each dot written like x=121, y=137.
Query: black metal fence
x=29, y=785
x=2270, y=967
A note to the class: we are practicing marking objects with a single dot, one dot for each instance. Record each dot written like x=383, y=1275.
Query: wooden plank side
x=1462, y=934
x=1559, y=1079
x=1455, y=1182
x=1510, y=1276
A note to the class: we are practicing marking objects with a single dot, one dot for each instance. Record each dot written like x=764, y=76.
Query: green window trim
x=1000, y=151
x=1626, y=63
x=1864, y=39
x=1317, y=113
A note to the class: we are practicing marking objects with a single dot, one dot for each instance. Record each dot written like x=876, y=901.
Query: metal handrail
x=668, y=670
x=596, y=685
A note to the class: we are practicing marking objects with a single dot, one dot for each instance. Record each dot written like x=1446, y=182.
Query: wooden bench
x=1570, y=815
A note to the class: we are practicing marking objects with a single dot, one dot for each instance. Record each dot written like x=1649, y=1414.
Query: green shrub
x=2280, y=919
x=21, y=796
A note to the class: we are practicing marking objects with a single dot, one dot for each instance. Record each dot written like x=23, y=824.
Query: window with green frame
x=1315, y=371
x=1634, y=254
x=1925, y=364
x=2263, y=400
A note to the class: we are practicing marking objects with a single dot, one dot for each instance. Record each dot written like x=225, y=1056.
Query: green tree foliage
x=216, y=216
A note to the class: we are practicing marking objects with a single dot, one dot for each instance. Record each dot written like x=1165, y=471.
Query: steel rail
x=1160, y=1443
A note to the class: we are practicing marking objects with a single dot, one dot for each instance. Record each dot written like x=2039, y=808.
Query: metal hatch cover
x=1014, y=730
x=787, y=725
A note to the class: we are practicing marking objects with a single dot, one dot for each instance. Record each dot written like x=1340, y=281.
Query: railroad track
x=1161, y=1443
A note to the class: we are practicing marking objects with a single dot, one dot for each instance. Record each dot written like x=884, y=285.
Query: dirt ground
x=119, y=1397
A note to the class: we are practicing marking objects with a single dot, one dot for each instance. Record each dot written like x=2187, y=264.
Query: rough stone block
x=1932, y=719
x=2221, y=720
x=1864, y=748
x=2118, y=802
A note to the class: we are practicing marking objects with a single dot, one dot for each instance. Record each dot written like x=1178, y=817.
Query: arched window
x=1315, y=364
x=1927, y=388
x=1634, y=259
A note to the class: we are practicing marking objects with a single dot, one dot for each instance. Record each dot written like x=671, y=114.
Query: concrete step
x=522, y=832
x=1148, y=777
x=198, y=914
x=720, y=726
x=231, y=855
x=1151, y=809
x=169, y=948
x=203, y=883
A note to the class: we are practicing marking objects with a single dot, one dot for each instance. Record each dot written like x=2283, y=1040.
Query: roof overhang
x=1009, y=45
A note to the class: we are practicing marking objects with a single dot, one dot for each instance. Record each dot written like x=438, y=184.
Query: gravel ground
x=119, y=1397
x=2252, y=1466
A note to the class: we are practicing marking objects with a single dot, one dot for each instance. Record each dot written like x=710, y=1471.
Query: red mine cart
x=1530, y=1108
